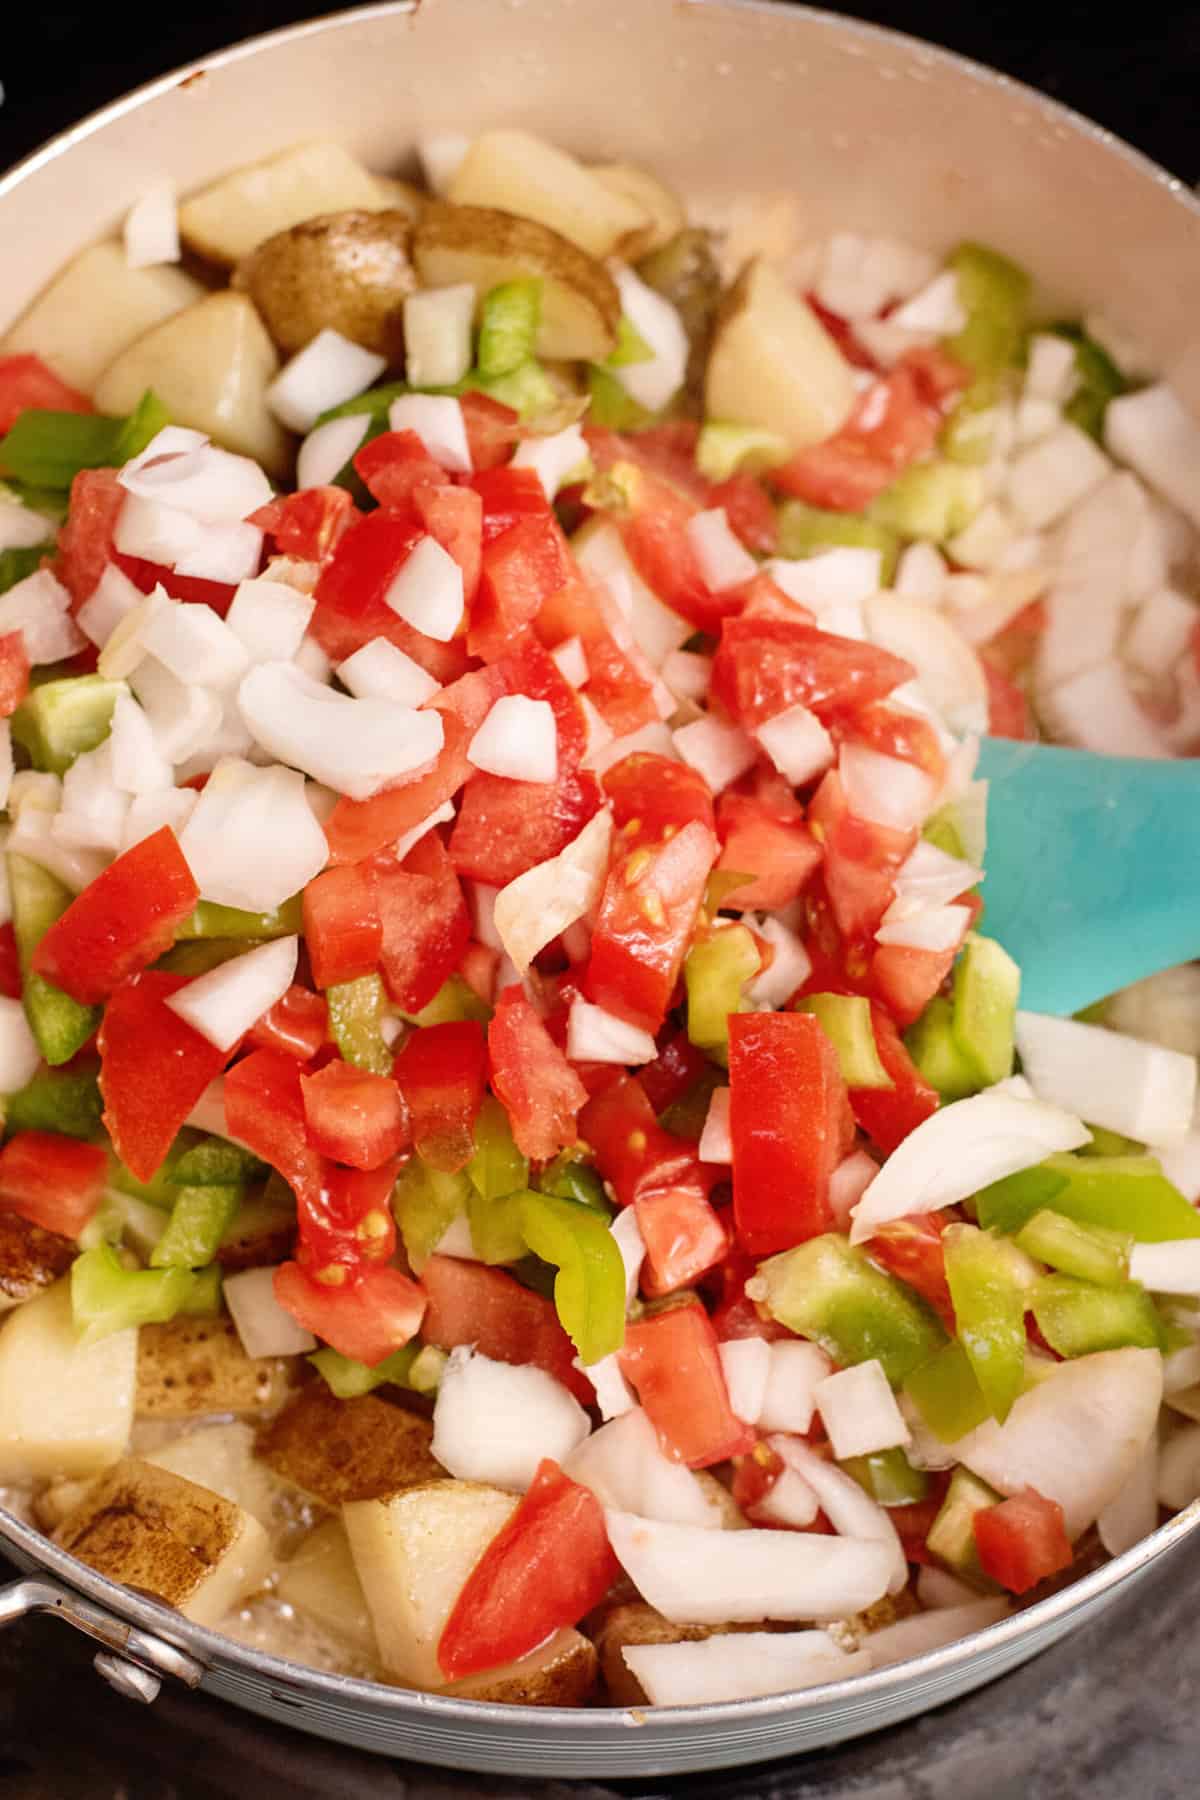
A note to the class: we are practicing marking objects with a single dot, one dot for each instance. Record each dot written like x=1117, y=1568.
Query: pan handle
x=132, y=1662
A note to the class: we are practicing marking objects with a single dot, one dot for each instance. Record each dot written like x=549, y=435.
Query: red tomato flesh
x=55, y=1182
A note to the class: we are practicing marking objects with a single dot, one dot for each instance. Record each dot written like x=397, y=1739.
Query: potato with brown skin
x=581, y=308
x=189, y=1367
x=346, y=1450
x=560, y=1672
x=625, y=1622
x=30, y=1259
x=665, y=216
x=347, y=272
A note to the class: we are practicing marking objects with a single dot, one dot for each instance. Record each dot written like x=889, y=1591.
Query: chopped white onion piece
x=570, y=659
x=20, y=1057
x=154, y=531
x=270, y=619
x=1046, y=480
x=629, y=1241
x=196, y=646
x=439, y=816
x=94, y=807
x=625, y=1466
x=687, y=674
x=518, y=739
x=600, y=553
x=742, y=1667
x=1132, y=1514
x=148, y=813
x=722, y=558
x=125, y=648
x=747, y=1575
x=859, y=276
x=381, y=671
x=847, y=1185
x=1156, y=436
x=1050, y=371
x=858, y=1410
x=746, y=1366
x=937, y=929
x=1086, y=601
x=228, y=553
x=653, y=737
x=1179, y=1469
x=329, y=370
x=845, y=573
x=936, y=309
x=1161, y=631
x=1096, y=711
x=542, y=902
x=223, y=1004
x=797, y=743
x=614, y=1396
x=209, y=484
x=716, y=1145
x=884, y=790
x=960, y=1149
x=437, y=335
x=328, y=448
x=553, y=458
x=982, y=543
x=928, y=877
x=788, y=1501
x=21, y=528
x=789, y=968
x=138, y=765
x=184, y=719
x=438, y=421
x=921, y=574
x=264, y=1327
x=33, y=800
x=927, y=1631
x=112, y=599
x=1167, y=1268
x=654, y=382
x=796, y=1371
x=850, y=1510
x=353, y=746
x=39, y=608
x=441, y=152
x=1125, y=1084
x=1036, y=419
x=594, y=1035
x=496, y=1421
x=718, y=751
x=251, y=840
x=427, y=590
x=151, y=230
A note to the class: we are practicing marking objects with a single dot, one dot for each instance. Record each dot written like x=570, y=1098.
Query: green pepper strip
x=108, y=1297
x=508, y=326
x=357, y=1010
x=1122, y=1193
x=888, y=1477
x=348, y=1379
x=846, y=1021
x=988, y=1279
x=1088, y=1251
x=199, y=1220
x=63, y=1100
x=589, y=1289
x=1077, y=1317
x=426, y=1203
x=716, y=972
x=828, y=1290
x=946, y=1394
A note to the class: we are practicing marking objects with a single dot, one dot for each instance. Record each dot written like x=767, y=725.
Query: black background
x=1138, y=73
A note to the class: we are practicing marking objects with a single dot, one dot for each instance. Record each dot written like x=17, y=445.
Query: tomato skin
x=10, y=963
x=393, y=465
x=470, y=1303
x=647, y=915
x=441, y=1072
x=891, y=426
x=309, y=524
x=735, y=1315
x=651, y=794
x=55, y=1182
x=492, y=429
x=906, y=980
x=749, y=512
x=678, y=1067
x=85, y=542
x=765, y=665
x=297, y=1025
x=619, y=689
x=1009, y=714
x=122, y=921
x=506, y=827
x=901, y=735
x=343, y=932
x=367, y=1317
x=454, y=517
x=510, y=497
x=683, y=1235
x=347, y=1224
x=521, y=569
x=153, y=1069
x=547, y=1567
x=787, y=1102
x=264, y=1107
x=778, y=849
x=1022, y=1540
x=26, y=384
x=354, y=1116
x=630, y=1148
x=351, y=607
x=671, y=1358
x=194, y=590
x=532, y=1078
x=861, y=860
x=911, y=1250
x=842, y=333
x=425, y=923
x=888, y=1115
x=14, y=672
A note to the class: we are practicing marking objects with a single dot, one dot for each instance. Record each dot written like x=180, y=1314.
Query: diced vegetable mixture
x=521, y=1156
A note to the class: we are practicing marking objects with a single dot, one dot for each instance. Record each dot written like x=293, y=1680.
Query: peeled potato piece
x=210, y=366
x=401, y=196
x=321, y=1580
x=523, y=174
x=95, y=308
x=65, y=1411
x=581, y=308
x=224, y=222
x=153, y=1530
x=347, y=272
x=773, y=364
x=560, y=1672
x=665, y=217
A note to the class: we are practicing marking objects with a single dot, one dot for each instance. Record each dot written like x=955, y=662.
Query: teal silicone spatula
x=1093, y=868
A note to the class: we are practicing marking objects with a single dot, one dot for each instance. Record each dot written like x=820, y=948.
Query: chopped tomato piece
x=765, y=665
x=264, y=1109
x=14, y=672
x=505, y=827
x=153, y=1070
x=735, y=1315
x=547, y=1567
x=749, y=511
x=351, y=595
x=1022, y=1540
x=754, y=1476
x=911, y=1250
x=940, y=377
x=618, y=685
x=645, y=922
x=906, y=980
x=55, y=1182
x=297, y=1025
x=122, y=921
x=891, y=426
x=1009, y=714
x=441, y=1072
x=678, y=1067
x=842, y=333
x=510, y=497
x=194, y=590
x=454, y=517
x=862, y=860
x=531, y=1076
x=394, y=465
x=786, y=1105
x=425, y=923
x=343, y=932
x=522, y=568
x=653, y=797
x=10, y=963
x=668, y=451
x=631, y=1149
x=478, y=969
x=672, y=1360
x=887, y=1115
x=492, y=429
x=901, y=735
x=366, y=1317
x=26, y=385
x=533, y=671
x=309, y=524
x=777, y=849
x=85, y=543
x=682, y=1233
x=472, y=1304
x=354, y=1116
x=914, y=1521
x=347, y=1223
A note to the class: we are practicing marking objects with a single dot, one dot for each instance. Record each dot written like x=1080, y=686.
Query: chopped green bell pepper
x=196, y=956
x=684, y=1117
x=941, y=829
x=61, y=1025
x=203, y=1297
x=994, y=294
x=888, y=1477
x=931, y=500
x=933, y=1045
x=348, y=1379
x=611, y=407
x=989, y=1280
x=1110, y=1143
x=716, y=972
x=108, y=1297
x=160, y=1189
x=62, y=1100
x=498, y=1227
x=952, y=1535
x=212, y=921
x=986, y=984
x=946, y=1394
x=589, y=1289
x=805, y=530
x=215, y=1162
x=1099, y=381
x=426, y=1203
x=508, y=326
x=17, y=564
x=1088, y=1251
x=827, y=1290
x=1123, y=1193
x=59, y=720
x=573, y=1179
x=1077, y=1317
x=48, y=449
x=455, y=1000
x=199, y=1220
x=631, y=347
x=846, y=1021
x=357, y=1010
x=497, y=1167
x=968, y=435
x=721, y=449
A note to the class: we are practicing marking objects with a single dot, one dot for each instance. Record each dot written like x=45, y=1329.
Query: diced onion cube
x=687, y=674
x=937, y=928
x=655, y=381
x=795, y=1373
x=438, y=421
x=594, y=1035
x=859, y=1411
x=196, y=646
x=883, y=790
x=381, y=671
x=228, y=553
x=723, y=560
x=151, y=230
x=496, y=1421
x=1159, y=439
x=719, y=752
x=328, y=371
x=21, y=528
x=223, y=1004
x=518, y=739
x=138, y=765
x=936, y=309
x=920, y=573
x=112, y=599
x=270, y=619
x=264, y=1327
x=746, y=1366
x=1046, y=480
x=39, y=608
x=154, y=531
x=251, y=840
x=427, y=591
x=570, y=660
x=1050, y=370
x=208, y=483
x=148, y=813
x=654, y=737
x=353, y=746
x=553, y=458
x=20, y=1057
x=845, y=573
x=184, y=719
x=328, y=448
x=437, y=335
x=789, y=968
x=847, y=1185
x=797, y=743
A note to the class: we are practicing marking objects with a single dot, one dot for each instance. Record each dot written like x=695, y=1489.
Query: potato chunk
x=560, y=1672
x=339, y=1450
x=30, y=1259
x=94, y=309
x=211, y=366
x=346, y=272
x=65, y=1411
x=221, y=1457
x=629, y=1622
x=773, y=364
x=522, y=174
x=194, y=1366
x=581, y=308
x=151, y=1529
x=322, y=1581
x=224, y=222
x=413, y=1552
x=665, y=216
